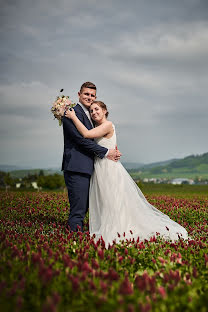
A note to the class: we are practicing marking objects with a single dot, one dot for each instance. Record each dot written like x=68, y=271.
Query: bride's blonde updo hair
x=103, y=106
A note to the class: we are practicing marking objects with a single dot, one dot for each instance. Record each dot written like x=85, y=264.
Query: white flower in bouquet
x=61, y=105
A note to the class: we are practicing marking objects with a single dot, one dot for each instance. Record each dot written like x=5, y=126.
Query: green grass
x=176, y=173
x=182, y=190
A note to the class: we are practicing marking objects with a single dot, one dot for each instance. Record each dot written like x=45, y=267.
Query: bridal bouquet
x=60, y=106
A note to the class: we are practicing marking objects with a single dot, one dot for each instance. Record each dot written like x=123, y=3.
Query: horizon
x=22, y=167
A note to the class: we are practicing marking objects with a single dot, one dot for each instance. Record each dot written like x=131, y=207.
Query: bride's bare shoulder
x=109, y=123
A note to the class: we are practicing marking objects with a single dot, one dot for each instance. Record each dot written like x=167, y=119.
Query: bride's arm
x=97, y=132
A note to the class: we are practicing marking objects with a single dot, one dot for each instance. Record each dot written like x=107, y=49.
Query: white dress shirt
x=87, y=113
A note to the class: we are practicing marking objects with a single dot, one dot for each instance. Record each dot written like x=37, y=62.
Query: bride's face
x=97, y=113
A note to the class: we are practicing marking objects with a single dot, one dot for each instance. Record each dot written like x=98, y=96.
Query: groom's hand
x=114, y=154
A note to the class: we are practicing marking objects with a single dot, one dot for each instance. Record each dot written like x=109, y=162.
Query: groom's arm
x=86, y=144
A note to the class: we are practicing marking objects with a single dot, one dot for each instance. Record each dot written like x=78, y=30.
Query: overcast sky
x=149, y=60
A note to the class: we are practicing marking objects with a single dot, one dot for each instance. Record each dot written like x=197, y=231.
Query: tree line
x=50, y=182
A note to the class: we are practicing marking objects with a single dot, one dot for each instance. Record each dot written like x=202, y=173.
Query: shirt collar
x=87, y=113
x=84, y=108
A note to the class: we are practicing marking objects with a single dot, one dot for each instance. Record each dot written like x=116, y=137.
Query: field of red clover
x=44, y=267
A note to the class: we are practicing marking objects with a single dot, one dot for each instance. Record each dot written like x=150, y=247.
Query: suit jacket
x=79, y=152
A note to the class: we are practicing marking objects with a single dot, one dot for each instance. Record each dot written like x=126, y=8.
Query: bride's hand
x=70, y=113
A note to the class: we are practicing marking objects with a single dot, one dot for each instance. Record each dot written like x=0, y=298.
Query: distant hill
x=190, y=167
x=157, y=164
x=24, y=173
x=8, y=168
x=191, y=162
x=132, y=165
x=21, y=172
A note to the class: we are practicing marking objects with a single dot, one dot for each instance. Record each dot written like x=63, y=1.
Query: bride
x=117, y=207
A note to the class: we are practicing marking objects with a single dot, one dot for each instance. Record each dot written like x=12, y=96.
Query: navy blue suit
x=78, y=165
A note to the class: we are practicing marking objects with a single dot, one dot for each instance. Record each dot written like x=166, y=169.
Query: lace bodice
x=108, y=143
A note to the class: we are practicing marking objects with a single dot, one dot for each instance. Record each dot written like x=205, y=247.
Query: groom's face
x=87, y=96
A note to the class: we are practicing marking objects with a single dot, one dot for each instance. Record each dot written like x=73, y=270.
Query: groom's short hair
x=89, y=85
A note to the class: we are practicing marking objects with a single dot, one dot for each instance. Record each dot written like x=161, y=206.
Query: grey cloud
x=149, y=62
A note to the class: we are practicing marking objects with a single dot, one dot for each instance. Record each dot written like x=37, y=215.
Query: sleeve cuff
x=107, y=153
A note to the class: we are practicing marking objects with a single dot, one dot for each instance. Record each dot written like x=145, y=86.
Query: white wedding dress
x=116, y=205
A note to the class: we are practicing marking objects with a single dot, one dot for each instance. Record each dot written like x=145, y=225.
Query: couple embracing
x=95, y=179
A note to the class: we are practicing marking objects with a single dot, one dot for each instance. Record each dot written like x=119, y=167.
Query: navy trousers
x=78, y=192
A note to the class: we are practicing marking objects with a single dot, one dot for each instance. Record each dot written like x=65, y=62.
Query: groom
x=78, y=157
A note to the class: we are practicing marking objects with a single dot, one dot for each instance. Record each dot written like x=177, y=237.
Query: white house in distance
x=33, y=184
x=153, y=180
x=182, y=181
